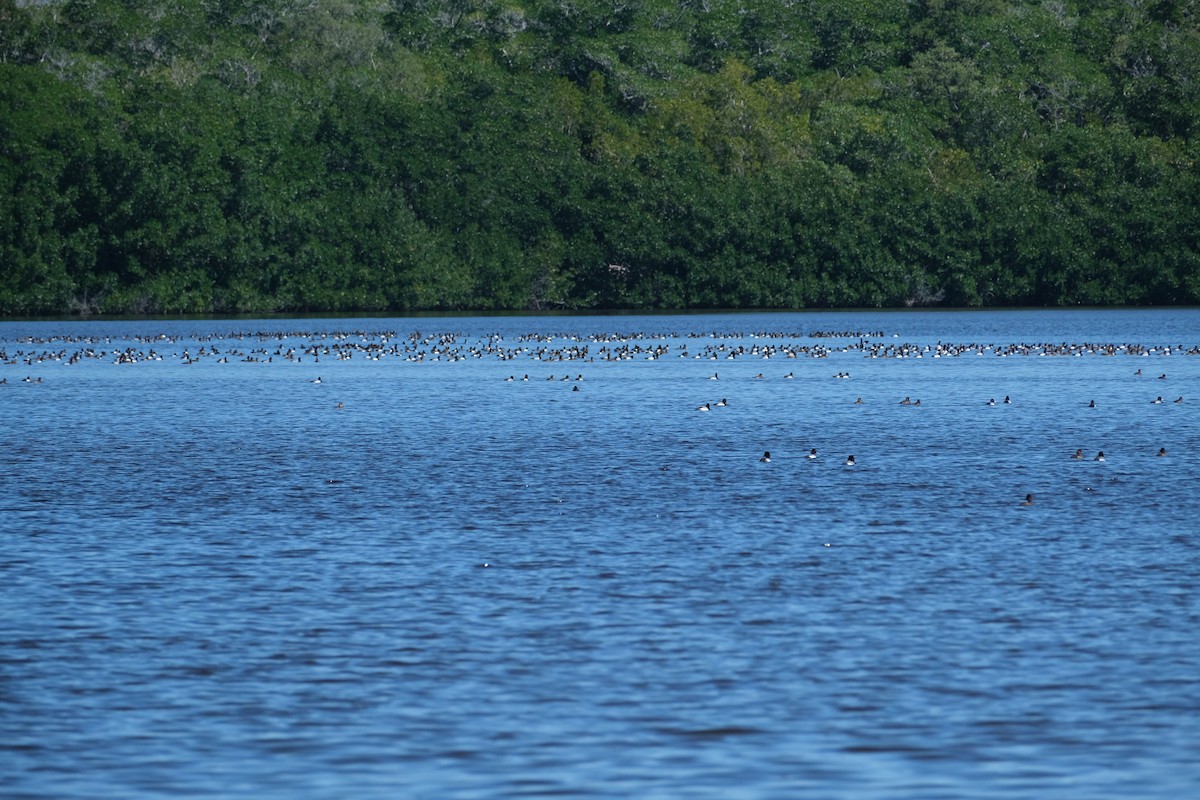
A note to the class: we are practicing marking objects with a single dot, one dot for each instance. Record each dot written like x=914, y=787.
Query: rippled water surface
x=416, y=578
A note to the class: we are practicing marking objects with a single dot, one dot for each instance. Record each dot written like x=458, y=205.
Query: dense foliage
x=288, y=155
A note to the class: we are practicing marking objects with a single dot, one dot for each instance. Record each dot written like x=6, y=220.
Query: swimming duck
x=812, y=453
x=766, y=457
x=722, y=403
x=850, y=461
x=704, y=407
x=1028, y=500
x=1162, y=451
x=1099, y=456
x=1078, y=455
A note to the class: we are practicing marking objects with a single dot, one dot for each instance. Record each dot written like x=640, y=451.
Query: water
x=214, y=582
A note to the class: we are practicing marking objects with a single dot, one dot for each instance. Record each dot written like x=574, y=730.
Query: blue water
x=216, y=582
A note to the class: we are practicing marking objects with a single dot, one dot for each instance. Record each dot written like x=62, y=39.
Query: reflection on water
x=417, y=578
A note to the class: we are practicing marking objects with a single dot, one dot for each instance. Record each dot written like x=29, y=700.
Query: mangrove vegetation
x=253, y=156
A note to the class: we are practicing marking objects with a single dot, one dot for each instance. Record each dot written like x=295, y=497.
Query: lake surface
x=416, y=578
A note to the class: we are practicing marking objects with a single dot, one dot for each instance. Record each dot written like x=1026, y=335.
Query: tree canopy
x=229, y=156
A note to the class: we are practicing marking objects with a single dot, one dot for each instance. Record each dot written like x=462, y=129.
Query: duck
x=1162, y=451
x=1092, y=404
x=1157, y=401
x=1028, y=500
x=722, y=403
x=704, y=407
x=1179, y=399
x=1007, y=400
x=812, y=453
x=1099, y=456
x=850, y=461
x=766, y=457
x=992, y=402
x=1078, y=455
x=316, y=380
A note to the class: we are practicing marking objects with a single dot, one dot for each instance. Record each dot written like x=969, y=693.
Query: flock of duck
x=312, y=346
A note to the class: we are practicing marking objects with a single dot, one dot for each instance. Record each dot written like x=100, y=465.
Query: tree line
x=247, y=156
